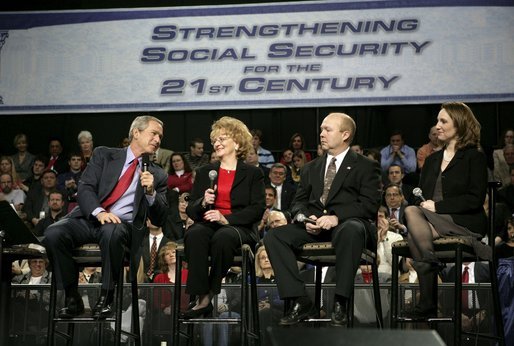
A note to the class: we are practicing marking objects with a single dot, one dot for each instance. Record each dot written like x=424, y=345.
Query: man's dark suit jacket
x=100, y=178
x=464, y=185
x=246, y=197
x=145, y=253
x=355, y=191
x=287, y=196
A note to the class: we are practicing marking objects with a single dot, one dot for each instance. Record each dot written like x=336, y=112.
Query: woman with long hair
x=454, y=184
x=297, y=142
x=180, y=176
x=226, y=202
x=22, y=159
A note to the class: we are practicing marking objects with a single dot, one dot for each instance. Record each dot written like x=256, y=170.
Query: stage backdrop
x=304, y=54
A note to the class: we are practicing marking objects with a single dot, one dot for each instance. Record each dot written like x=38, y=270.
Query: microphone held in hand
x=305, y=219
x=145, y=159
x=213, y=175
x=418, y=193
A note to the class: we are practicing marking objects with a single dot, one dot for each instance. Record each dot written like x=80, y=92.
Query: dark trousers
x=221, y=243
x=66, y=234
x=348, y=239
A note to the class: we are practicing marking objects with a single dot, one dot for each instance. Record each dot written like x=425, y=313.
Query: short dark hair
x=271, y=188
x=194, y=141
x=396, y=165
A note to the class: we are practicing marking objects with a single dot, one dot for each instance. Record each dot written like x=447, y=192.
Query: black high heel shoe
x=197, y=313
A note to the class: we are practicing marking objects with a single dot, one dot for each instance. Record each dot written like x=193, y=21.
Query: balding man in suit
x=116, y=195
x=340, y=193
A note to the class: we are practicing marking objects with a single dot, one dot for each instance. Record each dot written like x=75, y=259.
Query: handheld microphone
x=305, y=219
x=418, y=193
x=145, y=159
x=213, y=175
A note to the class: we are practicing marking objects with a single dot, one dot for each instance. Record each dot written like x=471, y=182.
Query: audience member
x=56, y=212
x=68, y=181
x=506, y=193
x=36, y=204
x=474, y=303
x=299, y=161
x=276, y=218
x=271, y=200
x=432, y=146
x=33, y=181
x=85, y=139
x=196, y=156
x=397, y=152
x=58, y=161
x=223, y=218
x=125, y=142
x=22, y=159
x=395, y=175
x=285, y=191
x=386, y=236
x=269, y=303
x=30, y=306
x=265, y=156
x=357, y=148
x=178, y=221
x=163, y=296
x=7, y=166
x=297, y=142
x=151, y=245
x=89, y=275
x=503, y=166
x=395, y=210
x=214, y=158
x=7, y=193
x=499, y=157
x=505, y=248
x=162, y=157
x=180, y=175
x=253, y=160
x=340, y=207
x=287, y=161
x=373, y=154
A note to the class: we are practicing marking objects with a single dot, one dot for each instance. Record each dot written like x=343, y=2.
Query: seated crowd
x=42, y=189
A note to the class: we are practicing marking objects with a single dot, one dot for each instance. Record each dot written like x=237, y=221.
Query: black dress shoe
x=197, y=313
x=73, y=307
x=297, y=313
x=339, y=316
x=103, y=308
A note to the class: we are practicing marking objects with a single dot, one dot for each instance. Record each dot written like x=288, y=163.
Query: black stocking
x=420, y=236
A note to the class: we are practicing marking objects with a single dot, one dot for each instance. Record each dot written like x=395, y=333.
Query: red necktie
x=153, y=257
x=51, y=163
x=393, y=213
x=465, y=280
x=122, y=185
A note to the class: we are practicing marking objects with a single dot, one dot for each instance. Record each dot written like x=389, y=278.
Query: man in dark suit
x=395, y=203
x=339, y=193
x=285, y=191
x=116, y=195
x=160, y=240
x=475, y=302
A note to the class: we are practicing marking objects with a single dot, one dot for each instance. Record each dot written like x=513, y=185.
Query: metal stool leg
x=393, y=310
x=376, y=294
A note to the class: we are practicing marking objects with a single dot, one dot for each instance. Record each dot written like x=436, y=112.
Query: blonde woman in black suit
x=454, y=184
x=224, y=212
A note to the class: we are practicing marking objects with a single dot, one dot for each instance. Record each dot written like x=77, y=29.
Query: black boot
x=427, y=276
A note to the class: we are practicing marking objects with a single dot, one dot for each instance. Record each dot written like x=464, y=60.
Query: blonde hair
x=236, y=130
x=346, y=124
x=258, y=269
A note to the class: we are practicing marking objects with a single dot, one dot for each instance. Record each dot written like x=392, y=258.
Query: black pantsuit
x=220, y=242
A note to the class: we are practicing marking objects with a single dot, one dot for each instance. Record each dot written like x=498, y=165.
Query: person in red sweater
x=180, y=177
